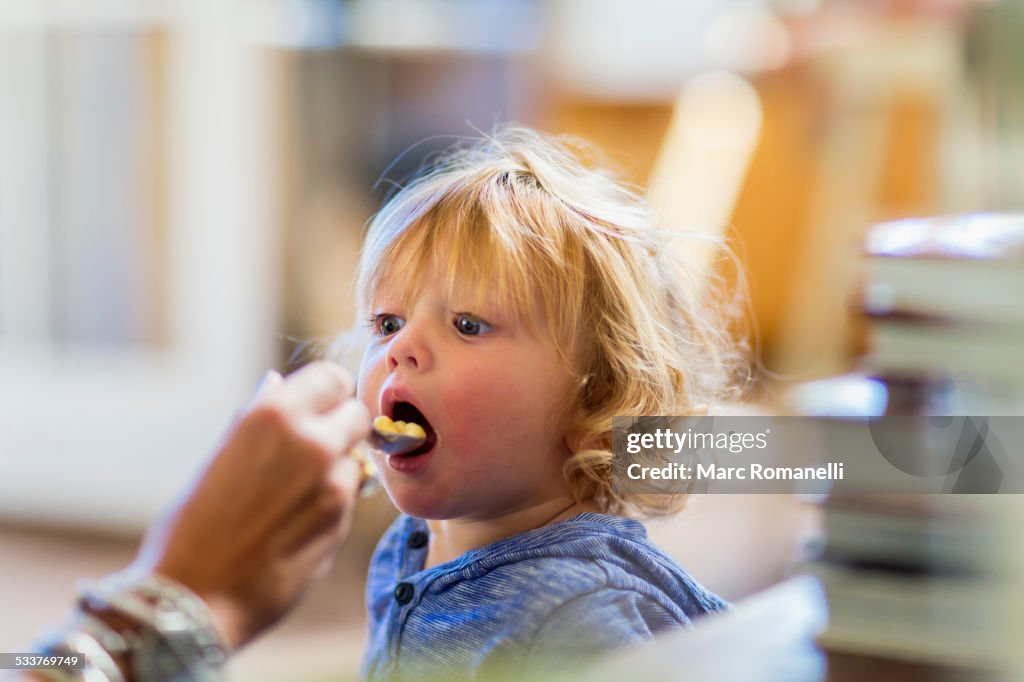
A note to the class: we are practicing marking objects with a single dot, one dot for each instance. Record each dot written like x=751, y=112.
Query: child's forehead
x=466, y=292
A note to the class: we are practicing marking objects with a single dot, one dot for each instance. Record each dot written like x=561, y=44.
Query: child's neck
x=454, y=537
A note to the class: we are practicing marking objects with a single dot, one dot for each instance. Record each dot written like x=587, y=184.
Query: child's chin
x=423, y=506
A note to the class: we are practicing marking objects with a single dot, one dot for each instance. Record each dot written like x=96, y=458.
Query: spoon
x=395, y=443
x=396, y=438
x=384, y=438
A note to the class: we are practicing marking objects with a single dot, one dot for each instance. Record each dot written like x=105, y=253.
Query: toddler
x=517, y=301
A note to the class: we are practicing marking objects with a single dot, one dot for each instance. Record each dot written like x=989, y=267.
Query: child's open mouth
x=407, y=412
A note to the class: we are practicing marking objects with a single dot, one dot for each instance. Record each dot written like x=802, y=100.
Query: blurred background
x=184, y=187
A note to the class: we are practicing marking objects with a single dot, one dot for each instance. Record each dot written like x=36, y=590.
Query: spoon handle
x=369, y=477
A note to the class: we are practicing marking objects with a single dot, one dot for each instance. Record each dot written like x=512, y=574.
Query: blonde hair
x=524, y=215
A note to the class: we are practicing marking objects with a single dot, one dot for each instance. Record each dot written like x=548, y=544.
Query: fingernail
x=265, y=381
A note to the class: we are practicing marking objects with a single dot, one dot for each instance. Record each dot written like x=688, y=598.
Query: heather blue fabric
x=547, y=597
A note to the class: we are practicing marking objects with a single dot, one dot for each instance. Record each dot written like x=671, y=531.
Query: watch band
x=176, y=639
x=103, y=668
x=76, y=640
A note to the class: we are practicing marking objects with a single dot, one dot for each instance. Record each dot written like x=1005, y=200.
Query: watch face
x=160, y=660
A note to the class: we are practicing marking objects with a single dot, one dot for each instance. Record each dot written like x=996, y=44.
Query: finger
x=346, y=475
x=326, y=514
x=318, y=387
x=317, y=555
x=343, y=427
x=312, y=463
x=307, y=526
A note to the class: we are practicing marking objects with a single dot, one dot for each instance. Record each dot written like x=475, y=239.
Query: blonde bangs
x=498, y=244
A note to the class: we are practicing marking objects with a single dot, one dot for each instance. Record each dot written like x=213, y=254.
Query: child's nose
x=395, y=360
x=409, y=349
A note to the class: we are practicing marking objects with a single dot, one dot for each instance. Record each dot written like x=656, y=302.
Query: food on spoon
x=385, y=426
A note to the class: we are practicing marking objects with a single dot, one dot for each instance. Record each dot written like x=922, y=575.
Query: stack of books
x=913, y=578
x=918, y=585
x=924, y=579
x=945, y=302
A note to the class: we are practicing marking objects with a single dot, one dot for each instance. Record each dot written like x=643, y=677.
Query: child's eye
x=386, y=324
x=471, y=325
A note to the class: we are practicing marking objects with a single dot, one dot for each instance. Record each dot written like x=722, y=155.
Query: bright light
x=748, y=38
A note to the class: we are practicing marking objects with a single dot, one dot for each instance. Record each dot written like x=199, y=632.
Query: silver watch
x=177, y=641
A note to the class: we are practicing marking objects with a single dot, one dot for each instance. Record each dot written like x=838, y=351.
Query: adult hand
x=272, y=506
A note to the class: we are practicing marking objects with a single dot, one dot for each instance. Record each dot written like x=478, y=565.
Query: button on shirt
x=570, y=590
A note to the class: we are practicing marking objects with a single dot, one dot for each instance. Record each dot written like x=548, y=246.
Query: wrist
x=229, y=618
x=226, y=615
x=150, y=629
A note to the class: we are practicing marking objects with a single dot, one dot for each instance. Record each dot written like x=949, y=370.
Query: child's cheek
x=477, y=410
x=371, y=377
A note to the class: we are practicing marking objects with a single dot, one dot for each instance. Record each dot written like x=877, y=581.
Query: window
x=138, y=277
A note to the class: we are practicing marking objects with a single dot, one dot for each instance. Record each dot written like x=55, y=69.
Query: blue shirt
x=566, y=591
